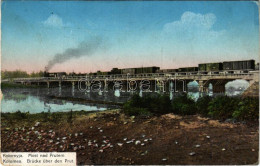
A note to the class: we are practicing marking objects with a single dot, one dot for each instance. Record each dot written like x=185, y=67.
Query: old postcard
x=129, y=82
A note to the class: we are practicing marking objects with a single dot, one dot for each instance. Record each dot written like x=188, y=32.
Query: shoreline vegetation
x=220, y=107
x=20, y=74
x=6, y=85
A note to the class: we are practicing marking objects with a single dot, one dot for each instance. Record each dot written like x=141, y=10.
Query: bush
x=202, y=105
x=151, y=104
x=184, y=105
x=137, y=112
x=45, y=116
x=222, y=107
x=70, y=117
x=248, y=109
x=20, y=115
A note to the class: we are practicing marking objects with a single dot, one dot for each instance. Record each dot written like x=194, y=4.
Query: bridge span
x=218, y=80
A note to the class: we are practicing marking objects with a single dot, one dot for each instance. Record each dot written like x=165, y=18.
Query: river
x=36, y=100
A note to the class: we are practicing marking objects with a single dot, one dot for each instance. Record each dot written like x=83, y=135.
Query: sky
x=85, y=36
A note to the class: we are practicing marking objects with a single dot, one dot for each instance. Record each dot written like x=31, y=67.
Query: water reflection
x=117, y=93
x=194, y=95
x=141, y=93
x=33, y=101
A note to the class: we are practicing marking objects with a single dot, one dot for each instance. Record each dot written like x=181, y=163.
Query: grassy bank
x=49, y=118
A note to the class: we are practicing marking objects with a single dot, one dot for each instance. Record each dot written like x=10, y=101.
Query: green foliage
x=70, y=116
x=13, y=74
x=45, y=116
x=137, y=112
x=151, y=104
x=20, y=115
x=202, y=105
x=222, y=107
x=248, y=109
x=19, y=74
x=36, y=74
x=184, y=105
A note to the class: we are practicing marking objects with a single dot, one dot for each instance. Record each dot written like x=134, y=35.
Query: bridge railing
x=143, y=76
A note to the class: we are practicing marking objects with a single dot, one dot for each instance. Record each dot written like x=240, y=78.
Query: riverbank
x=111, y=137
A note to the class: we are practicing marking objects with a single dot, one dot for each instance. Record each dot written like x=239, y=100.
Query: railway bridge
x=152, y=80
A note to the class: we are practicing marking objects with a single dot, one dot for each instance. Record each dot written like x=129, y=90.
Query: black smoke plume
x=85, y=48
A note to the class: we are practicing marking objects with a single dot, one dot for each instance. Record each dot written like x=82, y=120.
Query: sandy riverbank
x=113, y=138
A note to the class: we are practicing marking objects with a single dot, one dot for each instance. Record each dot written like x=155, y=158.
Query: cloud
x=54, y=21
x=193, y=27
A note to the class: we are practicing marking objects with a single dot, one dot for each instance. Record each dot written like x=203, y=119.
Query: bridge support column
x=88, y=86
x=105, y=86
x=48, y=84
x=201, y=86
x=73, y=87
x=59, y=84
x=160, y=86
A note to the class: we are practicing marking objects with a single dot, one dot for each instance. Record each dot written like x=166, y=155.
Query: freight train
x=203, y=68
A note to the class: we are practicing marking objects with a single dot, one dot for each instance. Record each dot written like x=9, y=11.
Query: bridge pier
x=88, y=86
x=105, y=85
x=160, y=86
x=73, y=88
x=201, y=87
x=73, y=85
x=48, y=84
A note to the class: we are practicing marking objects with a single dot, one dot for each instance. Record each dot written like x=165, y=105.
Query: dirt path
x=113, y=138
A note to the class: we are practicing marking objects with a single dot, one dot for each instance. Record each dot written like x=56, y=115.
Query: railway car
x=167, y=71
x=103, y=73
x=140, y=70
x=239, y=65
x=207, y=67
x=188, y=69
x=128, y=70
